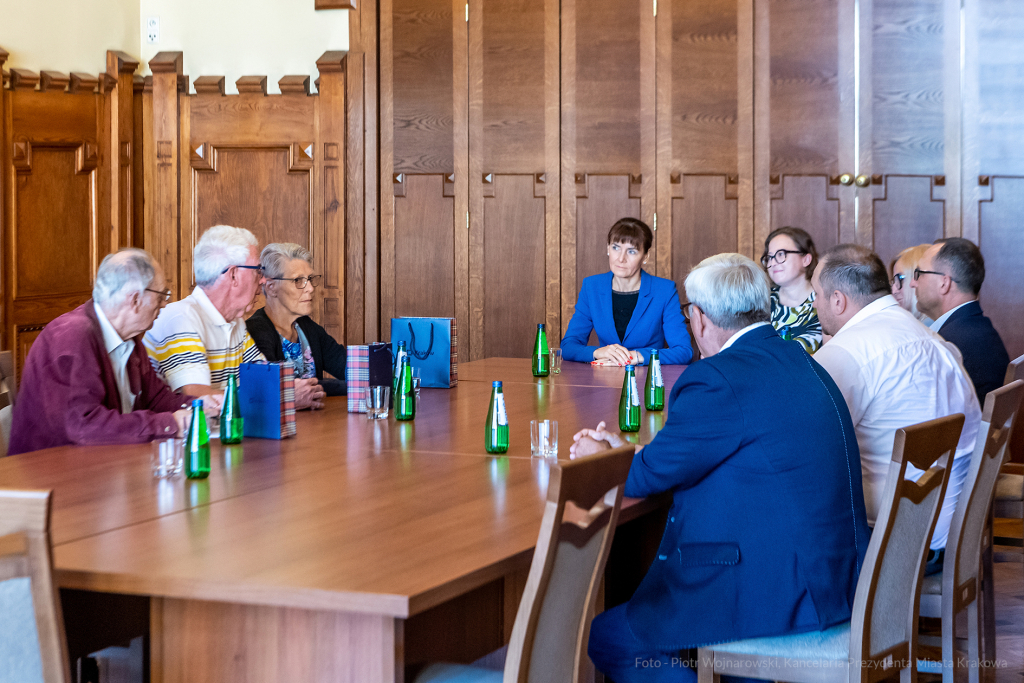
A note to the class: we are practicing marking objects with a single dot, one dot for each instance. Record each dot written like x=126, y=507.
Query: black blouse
x=623, y=304
x=328, y=354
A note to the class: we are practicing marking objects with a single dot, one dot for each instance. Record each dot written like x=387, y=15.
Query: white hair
x=122, y=274
x=275, y=257
x=220, y=247
x=731, y=290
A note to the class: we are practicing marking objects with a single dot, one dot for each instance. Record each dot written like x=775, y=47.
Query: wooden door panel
x=808, y=202
x=228, y=195
x=513, y=266
x=605, y=199
x=703, y=221
x=424, y=248
x=54, y=225
x=1002, y=295
x=911, y=212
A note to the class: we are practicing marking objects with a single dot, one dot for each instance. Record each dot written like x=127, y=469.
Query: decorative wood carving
x=209, y=85
x=399, y=185
x=138, y=84
x=300, y=157
x=581, y=186
x=449, y=185
x=294, y=85
x=53, y=81
x=22, y=157
x=332, y=151
x=120, y=62
x=252, y=85
x=201, y=157
x=23, y=79
x=107, y=83
x=83, y=83
x=86, y=157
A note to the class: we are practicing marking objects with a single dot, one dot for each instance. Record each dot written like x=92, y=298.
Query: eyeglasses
x=778, y=257
x=897, y=281
x=918, y=273
x=165, y=293
x=686, y=316
x=300, y=282
x=259, y=268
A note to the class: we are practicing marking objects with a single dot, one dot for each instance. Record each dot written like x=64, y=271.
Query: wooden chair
x=881, y=637
x=8, y=381
x=1009, y=498
x=32, y=644
x=552, y=625
x=960, y=585
x=6, y=419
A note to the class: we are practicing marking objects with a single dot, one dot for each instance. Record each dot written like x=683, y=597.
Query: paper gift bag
x=266, y=392
x=433, y=346
x=365, y=366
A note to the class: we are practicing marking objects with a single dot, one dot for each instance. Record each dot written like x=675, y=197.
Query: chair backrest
x=6, y=420
x=32, y=644
x=553, y=622
x=1015, y=371
x=7, y=379
x=966, y=530
x=883, y=628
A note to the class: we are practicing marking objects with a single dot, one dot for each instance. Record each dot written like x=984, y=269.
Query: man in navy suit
x=948, y=280
x=767, y=528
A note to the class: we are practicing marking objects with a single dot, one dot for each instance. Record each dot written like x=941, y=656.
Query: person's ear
x=805, y=261
x=945, y=285
x=839, y=302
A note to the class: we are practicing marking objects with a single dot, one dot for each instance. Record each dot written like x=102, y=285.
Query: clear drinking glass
x=416, y=378
x=377, y=402
x=168, y=457
x=544, y=438
x=556, y=361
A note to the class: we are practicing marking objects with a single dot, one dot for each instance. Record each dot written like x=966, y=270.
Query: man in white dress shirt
x=892, y=370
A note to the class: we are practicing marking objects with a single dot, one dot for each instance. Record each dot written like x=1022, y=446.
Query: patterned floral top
x=300, y=355
x=799, y=323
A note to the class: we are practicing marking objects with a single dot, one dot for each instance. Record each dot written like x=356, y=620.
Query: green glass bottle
x=629, y=403
x=399, y=355
x=231, y=414
x=496, y=429
x=197, y=444
x=405, y=398
x=786, y=334
x=654, y=387
x=541, y=353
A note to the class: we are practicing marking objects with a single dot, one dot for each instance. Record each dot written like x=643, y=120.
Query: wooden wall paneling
x=600, y=200
x=567, y=185
x=745, y=124
x=425, y=252
x=704, y=216
x=552, y=179
x=6, y=143
x=663, y=52
x=810, y=202
x=705, y=140
x=138, y=238
x=460, y=153
x=121, y=68
x=342, y=250
x=1002, y=295
x=162, y=208
x=386, y=159
x=911, y=211
x=475, y=90
x=362, y=77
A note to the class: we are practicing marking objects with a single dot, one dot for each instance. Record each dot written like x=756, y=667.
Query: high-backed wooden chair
x=1009, y=498
x=881, y=636
x=8, y=382
x=960, y=585
x=32, y=644
x=552, y=625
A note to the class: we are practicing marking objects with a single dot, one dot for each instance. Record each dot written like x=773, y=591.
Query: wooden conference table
x=344, y=554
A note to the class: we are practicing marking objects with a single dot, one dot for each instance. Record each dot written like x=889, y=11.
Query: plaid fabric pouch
x=357, y=376
x=287, y=400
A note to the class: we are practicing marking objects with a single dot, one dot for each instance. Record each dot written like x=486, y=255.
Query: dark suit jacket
x=767, y=528
x=985, y=357
x=657, y=321
x=328, y=354
x=68, y=394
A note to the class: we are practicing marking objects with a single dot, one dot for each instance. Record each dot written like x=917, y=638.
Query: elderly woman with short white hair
x=283, y=330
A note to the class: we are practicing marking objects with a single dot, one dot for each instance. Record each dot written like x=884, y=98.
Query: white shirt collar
x=941, y=320
x=733, y=338
x=863, y=314
x=111, y=339
x=211, y=311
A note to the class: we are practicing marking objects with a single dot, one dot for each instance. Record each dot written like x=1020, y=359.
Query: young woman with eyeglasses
x=283, y=330
x=790, y=257
x=902, y=269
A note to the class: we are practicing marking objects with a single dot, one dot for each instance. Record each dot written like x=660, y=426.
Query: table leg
x=195, y=641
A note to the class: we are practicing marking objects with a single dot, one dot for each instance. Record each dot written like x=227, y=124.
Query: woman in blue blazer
x=629, y=309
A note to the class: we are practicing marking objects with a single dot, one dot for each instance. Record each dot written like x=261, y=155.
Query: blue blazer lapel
x=643, y=302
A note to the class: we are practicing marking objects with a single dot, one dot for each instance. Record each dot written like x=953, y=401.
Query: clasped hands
x=618, y=354
x=589, y=441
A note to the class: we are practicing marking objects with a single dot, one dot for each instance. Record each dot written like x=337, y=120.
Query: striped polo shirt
x=191, y=343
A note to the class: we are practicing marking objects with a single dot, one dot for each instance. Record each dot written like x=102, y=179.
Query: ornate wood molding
x=294, y=85
x=83, y=83
x=252, y=85
x=53, y=81
x=335, y=4
x=209, y=85
x=23, y=79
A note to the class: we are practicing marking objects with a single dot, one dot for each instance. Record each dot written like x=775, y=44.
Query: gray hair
x=220, y=247
x=275, y=257
x=731, y=290
x=855, y=271
x=122, y=274
x=965, y=261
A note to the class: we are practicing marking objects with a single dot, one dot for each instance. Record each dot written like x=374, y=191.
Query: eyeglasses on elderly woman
x=300, y=282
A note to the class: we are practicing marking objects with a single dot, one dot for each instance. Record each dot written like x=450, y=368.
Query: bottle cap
x=540, y=326
x=197, y=403
x=654, y=352
x=401, y=344
x=628, y=368
x=496, y=385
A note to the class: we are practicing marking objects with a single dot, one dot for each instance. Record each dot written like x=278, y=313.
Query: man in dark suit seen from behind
x=767, y=528
x=948, y=281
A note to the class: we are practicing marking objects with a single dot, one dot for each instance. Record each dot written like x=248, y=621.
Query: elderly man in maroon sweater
x=87, y=379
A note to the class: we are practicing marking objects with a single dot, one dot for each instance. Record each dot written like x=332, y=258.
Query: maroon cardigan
x=68, y=393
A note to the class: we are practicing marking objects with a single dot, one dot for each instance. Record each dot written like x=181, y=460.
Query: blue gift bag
x=266, y=394
x=433, y=345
